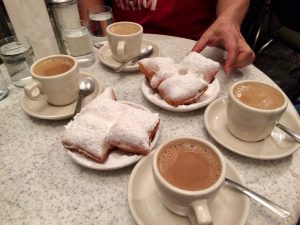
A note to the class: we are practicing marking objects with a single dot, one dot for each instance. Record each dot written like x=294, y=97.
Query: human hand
x=225, y=33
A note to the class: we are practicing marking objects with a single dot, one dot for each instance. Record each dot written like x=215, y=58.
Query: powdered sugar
x=209, y=95
x=104, y=123
x=89, y=128
x=133, y=128
x=163, y=68
x=182, y=86
x=116, y=159
x=199, y=64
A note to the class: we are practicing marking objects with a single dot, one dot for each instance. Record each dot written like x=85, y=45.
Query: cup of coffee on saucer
x=125, y=40
x=253, y=108
x=55, y=78
x=188, y=173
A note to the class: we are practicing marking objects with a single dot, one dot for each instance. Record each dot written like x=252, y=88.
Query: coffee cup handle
x=200, y=214
x=33, y=90
x=121, y=49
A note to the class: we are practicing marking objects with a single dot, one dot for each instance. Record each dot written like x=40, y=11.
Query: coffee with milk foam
x=189, y=165
x=258, y=95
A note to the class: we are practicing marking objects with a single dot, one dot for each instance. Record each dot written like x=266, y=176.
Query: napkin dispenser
x=30, y=18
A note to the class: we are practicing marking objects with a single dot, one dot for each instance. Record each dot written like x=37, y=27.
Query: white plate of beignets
x=182, y=87
x=207, y=97
x=109, y=134
x=115, y=160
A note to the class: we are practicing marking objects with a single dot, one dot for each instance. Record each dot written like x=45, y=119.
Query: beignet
x=157, y=69
x=200, y=65
x=182, y=89
x=180, y=84
x=105, y=124
x=134, y=129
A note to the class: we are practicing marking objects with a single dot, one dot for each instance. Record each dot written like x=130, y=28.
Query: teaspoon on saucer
x=288, y=131
x=145, y=52
x=99, y=44
x=257, y=197
x=86, y=87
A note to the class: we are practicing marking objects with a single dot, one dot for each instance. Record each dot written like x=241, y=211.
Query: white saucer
x=228, y=208
x=43, y=110
x=116, y=159
x=276, y=146
x=209, y=95
x=105, y=56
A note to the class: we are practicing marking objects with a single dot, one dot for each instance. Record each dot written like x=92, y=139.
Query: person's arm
x=225, y=32
x=84, y=5
x=234, y=10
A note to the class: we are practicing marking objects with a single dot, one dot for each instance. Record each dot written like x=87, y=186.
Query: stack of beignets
x=183, y=83
x=106, y=124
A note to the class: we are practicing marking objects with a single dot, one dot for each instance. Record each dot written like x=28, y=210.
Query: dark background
x=280, y=60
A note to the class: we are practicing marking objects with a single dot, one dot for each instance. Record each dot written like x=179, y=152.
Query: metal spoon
x=100, y=44
x=86, y=87
x=145, y=52
x=260, y=199
x=291, y=133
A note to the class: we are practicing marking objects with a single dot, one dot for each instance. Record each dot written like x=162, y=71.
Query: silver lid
x=62, y=2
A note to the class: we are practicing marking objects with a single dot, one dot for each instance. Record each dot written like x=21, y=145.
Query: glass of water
x=99, y=18
x=17, y=56
x=4, y=91
x=78, y=43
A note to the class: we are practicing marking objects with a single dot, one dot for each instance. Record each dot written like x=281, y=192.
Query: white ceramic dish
x=209, y=95
x=228, y=208
x=116, y=159
x=105, y=56
x=277, y=145
x=43, y=110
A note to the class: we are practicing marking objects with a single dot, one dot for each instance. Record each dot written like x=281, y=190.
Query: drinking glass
x=78, y=43
x=4, y=91
x=17, y=56
x=99, y=18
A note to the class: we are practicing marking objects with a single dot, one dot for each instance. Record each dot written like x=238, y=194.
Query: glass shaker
x=74, y=35
x=66, y=16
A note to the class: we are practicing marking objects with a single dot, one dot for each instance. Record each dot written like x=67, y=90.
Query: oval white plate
x=209, y=95
x=277, y=145
x=228, y=208
x=105, y=56
x=43, y=110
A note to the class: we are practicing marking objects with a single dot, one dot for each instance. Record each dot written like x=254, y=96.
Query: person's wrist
x=228, y=20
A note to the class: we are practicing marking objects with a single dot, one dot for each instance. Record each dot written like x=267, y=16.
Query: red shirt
x=183, y=18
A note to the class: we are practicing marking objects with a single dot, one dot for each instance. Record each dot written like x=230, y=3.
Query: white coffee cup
x=186, y=197
x=125, y=40
x=253, y=108
x=55, y=78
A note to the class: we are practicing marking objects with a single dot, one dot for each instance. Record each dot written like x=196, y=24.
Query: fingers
x=200, y=45
x=239, y=58
x=232, y=55
x=239, y=55
x=245, y=58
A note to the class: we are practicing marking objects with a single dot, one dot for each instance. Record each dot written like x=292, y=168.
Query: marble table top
x=40, y=184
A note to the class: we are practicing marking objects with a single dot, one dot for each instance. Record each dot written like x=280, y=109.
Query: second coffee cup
x=253, y=108
x=125, y=40
x=56, y=78
x=188, y=173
